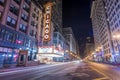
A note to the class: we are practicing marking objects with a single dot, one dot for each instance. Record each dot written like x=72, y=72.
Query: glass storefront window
x=2, y=55
x=9, y=36
x=2, y=34
x=55, y=35
x=8, y=59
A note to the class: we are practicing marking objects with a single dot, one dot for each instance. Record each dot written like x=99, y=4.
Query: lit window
x=23, y=28
x=26, y=8
x=8, y=19
x=20, y=25
x=24, y=17
x=11, y=22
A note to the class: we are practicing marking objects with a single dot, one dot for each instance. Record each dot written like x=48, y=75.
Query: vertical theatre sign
x=47, y=22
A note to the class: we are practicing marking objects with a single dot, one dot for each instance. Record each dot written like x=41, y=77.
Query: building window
x=2, y=33
x=18, y=1
x=37, y=18
x=36, y=26
x=32, y=33
x=2, y=2
x=23, y=28
x=26, y=8
x=9, y=36
x=24, y=17
x=11, y=22
x=13, y=9
x=36, y=10
x=55, y=35
x=33, y=23
x=28, y=1
x=33, y=15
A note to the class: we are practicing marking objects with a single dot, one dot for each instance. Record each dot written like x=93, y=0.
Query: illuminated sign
x=23, y=52
x=19, y=42
x=47, y=22
x=2, y=49
x=45, y=50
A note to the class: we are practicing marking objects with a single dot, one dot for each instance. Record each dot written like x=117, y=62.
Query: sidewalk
x=110, y=65
x=27, y=67
x=113, y=64
x=107, y=63
x=17, y=68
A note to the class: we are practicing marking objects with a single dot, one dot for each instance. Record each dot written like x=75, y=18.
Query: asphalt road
x=63, y=71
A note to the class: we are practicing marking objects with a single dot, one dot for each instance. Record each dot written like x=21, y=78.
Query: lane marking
x=100, y=73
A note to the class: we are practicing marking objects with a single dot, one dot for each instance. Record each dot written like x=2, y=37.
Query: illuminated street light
x=66, y=51
x=99, y=47
x=96, y=50
x=118, y=36
x=114, y=36
x=93, y=53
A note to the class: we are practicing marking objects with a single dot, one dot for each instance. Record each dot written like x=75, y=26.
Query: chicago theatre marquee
x=47, y=51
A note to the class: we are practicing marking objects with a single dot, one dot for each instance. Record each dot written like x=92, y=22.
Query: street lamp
x=66, y=51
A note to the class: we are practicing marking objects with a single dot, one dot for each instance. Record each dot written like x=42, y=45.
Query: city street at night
x=75, y=70
x=59, y=39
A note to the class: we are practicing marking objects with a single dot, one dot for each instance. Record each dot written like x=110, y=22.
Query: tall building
x=69, y=36
x=89, y=46
x=20, y=26
x=61, y=45
x=101, y=30
x=112, y=9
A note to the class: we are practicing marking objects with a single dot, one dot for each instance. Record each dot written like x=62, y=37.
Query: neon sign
x=47, y=22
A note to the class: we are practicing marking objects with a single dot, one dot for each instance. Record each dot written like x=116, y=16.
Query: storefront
x=11, y=43
x=8, y=56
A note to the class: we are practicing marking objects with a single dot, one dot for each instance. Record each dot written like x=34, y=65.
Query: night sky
x=77, y=15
